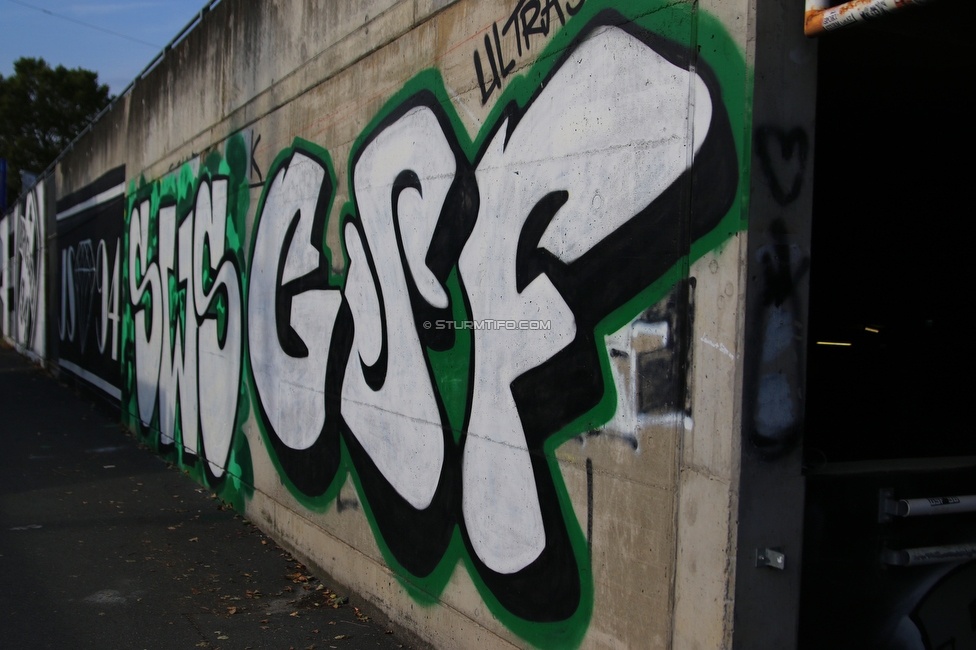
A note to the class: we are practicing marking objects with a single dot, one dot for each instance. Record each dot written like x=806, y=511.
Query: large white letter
x=609, y=132
x=148, y=341
x=401, y=180
x=290, y=383
x=220, y=365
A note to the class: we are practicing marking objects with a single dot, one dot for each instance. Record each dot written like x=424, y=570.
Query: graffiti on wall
x=24, y=235
x=29, y=241
x=455, y=338
x=89, y=225
x=6, y=277
x=530, y=22
x=774, y=410
x=182, y=277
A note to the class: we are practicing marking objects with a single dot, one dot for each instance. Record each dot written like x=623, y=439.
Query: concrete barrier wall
x=444, y=296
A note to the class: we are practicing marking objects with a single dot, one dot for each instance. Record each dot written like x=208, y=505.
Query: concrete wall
x=448, y=298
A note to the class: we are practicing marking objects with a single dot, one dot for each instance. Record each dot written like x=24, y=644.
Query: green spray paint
x=680, y=22
x=180, y=188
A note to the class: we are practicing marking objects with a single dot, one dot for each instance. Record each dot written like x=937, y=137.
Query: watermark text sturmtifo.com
x=488, y=324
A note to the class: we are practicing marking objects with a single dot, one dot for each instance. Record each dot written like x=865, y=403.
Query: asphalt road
x=102, y=545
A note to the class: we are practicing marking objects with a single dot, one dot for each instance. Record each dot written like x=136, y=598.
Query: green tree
x=42, y=109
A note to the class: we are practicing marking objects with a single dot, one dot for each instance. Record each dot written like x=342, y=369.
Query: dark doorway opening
x=892, y=250
x=890, y=356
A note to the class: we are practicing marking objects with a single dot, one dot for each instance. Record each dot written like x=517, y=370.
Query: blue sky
x=27, y=31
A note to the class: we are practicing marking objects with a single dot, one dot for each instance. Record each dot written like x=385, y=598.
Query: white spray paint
x=179, y=357
x=148, y=335
x=30, y=242
x=220, y=365
x=398, y=424
x=614, y=105
x=292, y=389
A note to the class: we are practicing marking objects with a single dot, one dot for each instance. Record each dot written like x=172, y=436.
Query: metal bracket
x=774, y=558
x=887, y=506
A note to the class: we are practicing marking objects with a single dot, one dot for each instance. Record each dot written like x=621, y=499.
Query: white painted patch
x=623, y=349
x=623, y=371
x=648, y=337
x=91, y=378
x=98, y=199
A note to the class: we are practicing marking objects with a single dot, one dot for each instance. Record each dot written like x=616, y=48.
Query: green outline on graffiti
x=681, y=22
x=322, y=502
x=180, y=187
